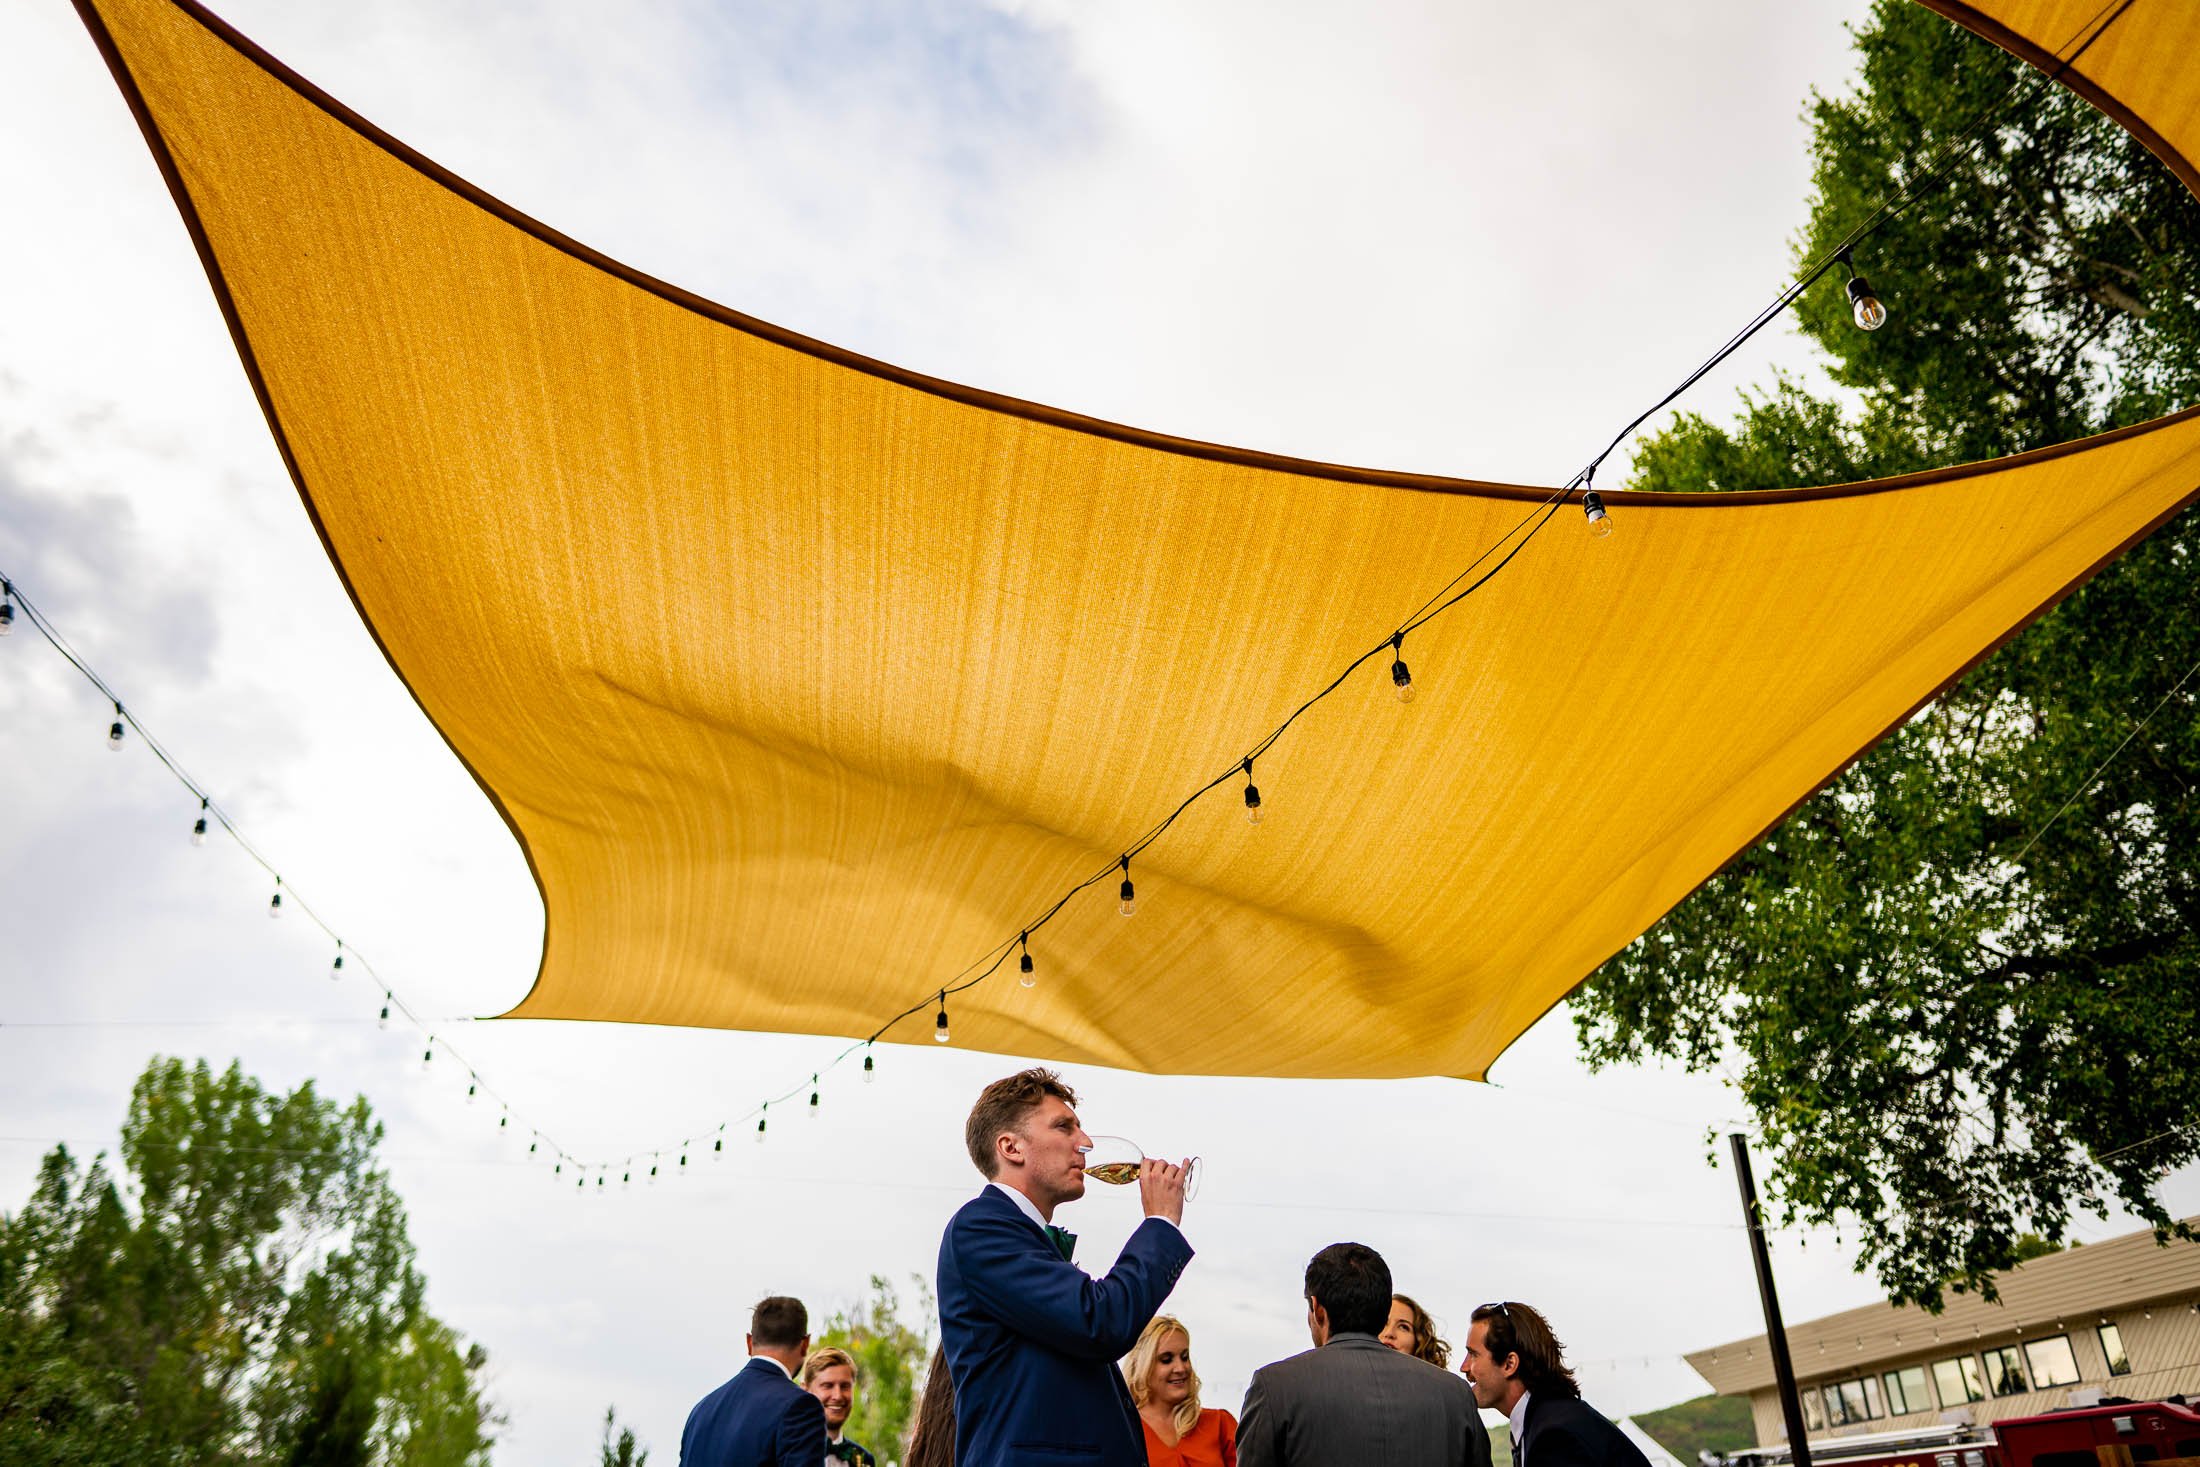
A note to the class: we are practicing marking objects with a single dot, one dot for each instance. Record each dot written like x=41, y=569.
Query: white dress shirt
x=1519, y=1416
x=1024, y=1204
x=783, y=1370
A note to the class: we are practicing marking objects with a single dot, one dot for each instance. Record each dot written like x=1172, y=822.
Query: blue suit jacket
x=1032, y=1342
x=758, y=1419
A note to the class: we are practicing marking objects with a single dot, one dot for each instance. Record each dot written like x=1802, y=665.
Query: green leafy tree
x=257, y=1301
x=1962, y=1012
x=891, y=1352
x=621, y=1449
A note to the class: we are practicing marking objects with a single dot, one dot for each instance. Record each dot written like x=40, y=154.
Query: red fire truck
x=2113, y=1433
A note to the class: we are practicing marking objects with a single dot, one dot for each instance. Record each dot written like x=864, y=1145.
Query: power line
x=2102, y=768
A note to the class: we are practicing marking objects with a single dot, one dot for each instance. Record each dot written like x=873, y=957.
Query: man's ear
x=1008, y=1147
x=748, y=1343
x=805, y=1347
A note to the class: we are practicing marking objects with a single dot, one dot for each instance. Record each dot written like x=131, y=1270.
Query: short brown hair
x=779, y=1321
x=823, y=1360
x=1002, y=1106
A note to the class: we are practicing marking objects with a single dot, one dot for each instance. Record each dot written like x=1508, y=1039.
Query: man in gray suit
x=1353, y=1400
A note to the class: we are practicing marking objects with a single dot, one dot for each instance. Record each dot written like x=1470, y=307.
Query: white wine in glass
x=1118, y=1162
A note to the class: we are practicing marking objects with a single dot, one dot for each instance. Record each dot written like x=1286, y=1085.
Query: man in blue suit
x=1031, y=1339
x=761, y=1418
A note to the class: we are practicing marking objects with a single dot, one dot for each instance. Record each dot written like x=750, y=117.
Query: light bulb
x=1592, y=505
x=870, y=1070
x=275, y=906
x=1129, y=893
x=1025, y=975
x=7, y=617
x=1864, y=306
x=813, y=1099
x=760, y=1130
x=114, y=732
x=427, y=1056
x=1252, y=804
x=470, y=1087
x=718, y=1148
x=198, y=828
x=504, y=1121
x=939, y=1025
x=336, y=969
x=1402, y=680
x=653, y=1171
x=384, y=1021
x=532, y=1145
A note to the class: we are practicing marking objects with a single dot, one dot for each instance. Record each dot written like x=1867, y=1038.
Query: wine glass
x=1117, y=1160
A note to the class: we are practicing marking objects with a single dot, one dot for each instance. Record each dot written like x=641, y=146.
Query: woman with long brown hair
x=932, y=1439
x=1165, y=1389
x=1412, y=1332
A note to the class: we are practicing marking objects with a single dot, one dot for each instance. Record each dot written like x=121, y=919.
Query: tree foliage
x=620, y=1449
x=246, y=1295
x=891, y=1352
x=1964, y=1012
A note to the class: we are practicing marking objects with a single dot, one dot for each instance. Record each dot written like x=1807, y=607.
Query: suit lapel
x=1001, y=1203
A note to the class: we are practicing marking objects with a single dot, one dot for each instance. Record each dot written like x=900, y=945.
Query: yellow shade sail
x=807, y=683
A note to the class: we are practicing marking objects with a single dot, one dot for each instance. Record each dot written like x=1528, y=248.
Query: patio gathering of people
x=1041, y=1363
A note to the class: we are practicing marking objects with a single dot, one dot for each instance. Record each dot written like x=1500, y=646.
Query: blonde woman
x=1165, y=1389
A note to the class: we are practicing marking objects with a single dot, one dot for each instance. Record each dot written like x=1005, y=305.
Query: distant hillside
x=1708, y=1423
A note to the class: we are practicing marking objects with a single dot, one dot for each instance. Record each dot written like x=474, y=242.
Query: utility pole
x=1783, y=1368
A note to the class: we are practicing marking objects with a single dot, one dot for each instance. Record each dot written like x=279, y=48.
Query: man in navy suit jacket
x=1517, y=1366
x=761, y=1418
x=1031, y=1339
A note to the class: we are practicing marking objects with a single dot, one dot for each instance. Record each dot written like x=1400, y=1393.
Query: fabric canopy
x=805, y=682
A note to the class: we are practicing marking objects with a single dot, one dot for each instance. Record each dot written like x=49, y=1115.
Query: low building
x=2118, y=1318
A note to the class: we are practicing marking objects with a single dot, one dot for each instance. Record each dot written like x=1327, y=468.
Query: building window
x=2112, y=1349
x=1814, y=1411
x=1959, y=1381
x=1851, y=1402
x=2005, y=1371
x=2052, y=1362
x=1907, y=1392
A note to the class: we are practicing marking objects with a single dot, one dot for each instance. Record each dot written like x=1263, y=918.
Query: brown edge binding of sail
x=97, y=25
x=1955, y=10
x=957, y=392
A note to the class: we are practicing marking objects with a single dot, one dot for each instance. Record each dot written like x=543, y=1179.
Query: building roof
x=2077, y=1284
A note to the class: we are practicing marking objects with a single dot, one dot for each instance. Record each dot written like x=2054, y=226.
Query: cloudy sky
x=1471, y=239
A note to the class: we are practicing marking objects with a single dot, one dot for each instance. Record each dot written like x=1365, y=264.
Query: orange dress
x=1212, y=1442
